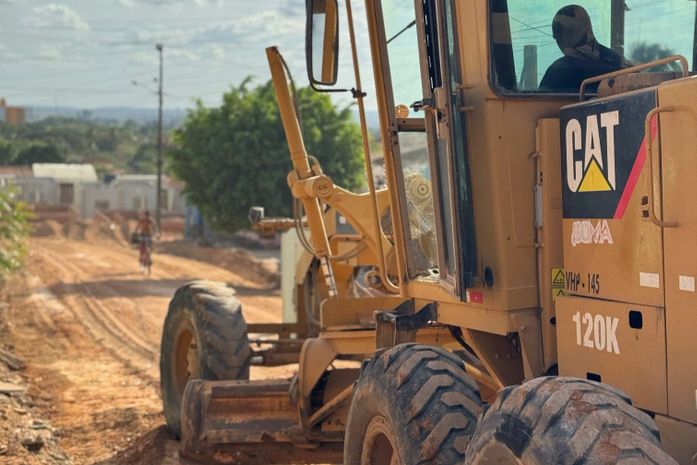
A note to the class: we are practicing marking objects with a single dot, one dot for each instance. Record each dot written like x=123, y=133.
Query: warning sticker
x=558, y=283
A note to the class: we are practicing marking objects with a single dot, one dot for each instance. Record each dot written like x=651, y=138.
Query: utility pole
x=694, y=43
x=158, y=198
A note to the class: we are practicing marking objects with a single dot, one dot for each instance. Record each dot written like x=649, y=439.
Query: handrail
x=649, y=159
x=633, y=69
x=301, y=165
x=382, y=262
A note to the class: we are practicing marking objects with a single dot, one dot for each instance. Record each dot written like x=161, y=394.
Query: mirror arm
x=357, y=93
x=326, y=90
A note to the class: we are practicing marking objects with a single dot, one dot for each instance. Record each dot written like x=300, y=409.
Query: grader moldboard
x=528, y=269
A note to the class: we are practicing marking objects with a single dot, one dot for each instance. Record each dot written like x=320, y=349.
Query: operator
x=583, y=56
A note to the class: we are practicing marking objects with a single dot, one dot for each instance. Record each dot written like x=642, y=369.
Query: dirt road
x=88, y=324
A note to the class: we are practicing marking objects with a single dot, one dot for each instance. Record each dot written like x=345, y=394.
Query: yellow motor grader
x=522, y=291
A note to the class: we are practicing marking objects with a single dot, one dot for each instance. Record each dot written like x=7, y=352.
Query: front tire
x=412, y=404
x=204, y=337
x=565, y=421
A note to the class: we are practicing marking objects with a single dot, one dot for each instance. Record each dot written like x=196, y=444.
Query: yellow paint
x=594, y=180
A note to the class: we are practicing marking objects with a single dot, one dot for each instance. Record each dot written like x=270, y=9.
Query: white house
x=77, y=186
x=131, y=192
x=55, y=183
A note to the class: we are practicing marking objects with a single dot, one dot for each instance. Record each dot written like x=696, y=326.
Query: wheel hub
x=186, y=364
x=379, y=444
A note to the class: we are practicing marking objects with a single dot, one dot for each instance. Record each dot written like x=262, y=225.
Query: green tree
x=145, y=159
x=14, y=229
x=7, y=152
x=109, y=146
x=39, y=152
x=643, y=52
x=236, y=156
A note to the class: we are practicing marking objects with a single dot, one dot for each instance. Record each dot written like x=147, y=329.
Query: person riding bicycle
x=144, y=231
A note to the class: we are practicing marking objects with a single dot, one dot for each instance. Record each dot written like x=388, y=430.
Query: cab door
x=445, y=123
x=418, y=86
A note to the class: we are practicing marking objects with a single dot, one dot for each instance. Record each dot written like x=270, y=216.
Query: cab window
x=545, y=46
x=405, y=72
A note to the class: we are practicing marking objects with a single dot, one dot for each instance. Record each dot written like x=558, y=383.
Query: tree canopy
x=110, y=146
x=236, y=156
x=39, y=152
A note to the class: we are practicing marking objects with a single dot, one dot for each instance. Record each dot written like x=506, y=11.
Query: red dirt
x=88, y=324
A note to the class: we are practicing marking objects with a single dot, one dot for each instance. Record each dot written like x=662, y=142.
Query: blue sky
x=86, y=53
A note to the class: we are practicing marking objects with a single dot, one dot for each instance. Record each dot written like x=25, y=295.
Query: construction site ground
x=87, y=326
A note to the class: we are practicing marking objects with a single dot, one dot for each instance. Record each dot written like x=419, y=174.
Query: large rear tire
x=562, y=421
x=412, y=404
x=204, y=337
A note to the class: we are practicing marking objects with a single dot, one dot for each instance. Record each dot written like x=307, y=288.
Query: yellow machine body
x=547, y=234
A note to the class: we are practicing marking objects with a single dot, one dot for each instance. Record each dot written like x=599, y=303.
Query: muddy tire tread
x=568, y=421
x=432, y=400
x=221, y=332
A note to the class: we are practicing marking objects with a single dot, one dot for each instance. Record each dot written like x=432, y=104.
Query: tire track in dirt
x=103, y=321
x=99, y=400
x=89, y=326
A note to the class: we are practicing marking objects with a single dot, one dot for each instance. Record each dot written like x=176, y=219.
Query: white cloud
x=49, y=53
x=178, y=53
x=199, y=3
x=126, y=3
x=144, y=58
x=54, y=15
x=6, y=54
x=266, y=27
x=217, y=52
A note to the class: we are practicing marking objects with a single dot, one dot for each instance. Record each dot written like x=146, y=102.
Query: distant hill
x=173, y=117
x=371, y=118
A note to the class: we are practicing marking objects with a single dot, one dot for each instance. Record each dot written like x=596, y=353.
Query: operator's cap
x=572, y=27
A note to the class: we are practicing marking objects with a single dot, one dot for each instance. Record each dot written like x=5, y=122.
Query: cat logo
x=596, y=171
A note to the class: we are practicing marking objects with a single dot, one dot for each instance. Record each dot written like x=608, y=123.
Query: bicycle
x=145, y=254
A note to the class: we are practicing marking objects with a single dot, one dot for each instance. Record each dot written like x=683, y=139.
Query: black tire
x=204, y=337
x=415, y=401
x=555, y=420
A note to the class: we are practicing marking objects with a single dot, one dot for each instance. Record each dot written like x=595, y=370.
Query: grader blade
x=247, y=422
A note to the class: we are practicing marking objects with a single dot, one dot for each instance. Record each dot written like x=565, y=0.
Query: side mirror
x=322, y=41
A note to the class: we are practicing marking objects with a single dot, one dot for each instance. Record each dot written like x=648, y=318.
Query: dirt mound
x=60, y=213
x=173, y=226
x=115, y=226
x=153, y=447
x=96, y=229
x=239, y=261
x=47, y=228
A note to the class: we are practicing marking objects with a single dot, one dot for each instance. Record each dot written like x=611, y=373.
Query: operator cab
x=460, y=87
x=550, y=47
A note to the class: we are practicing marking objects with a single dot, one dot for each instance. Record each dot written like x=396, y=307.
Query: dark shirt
x=567, y=73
